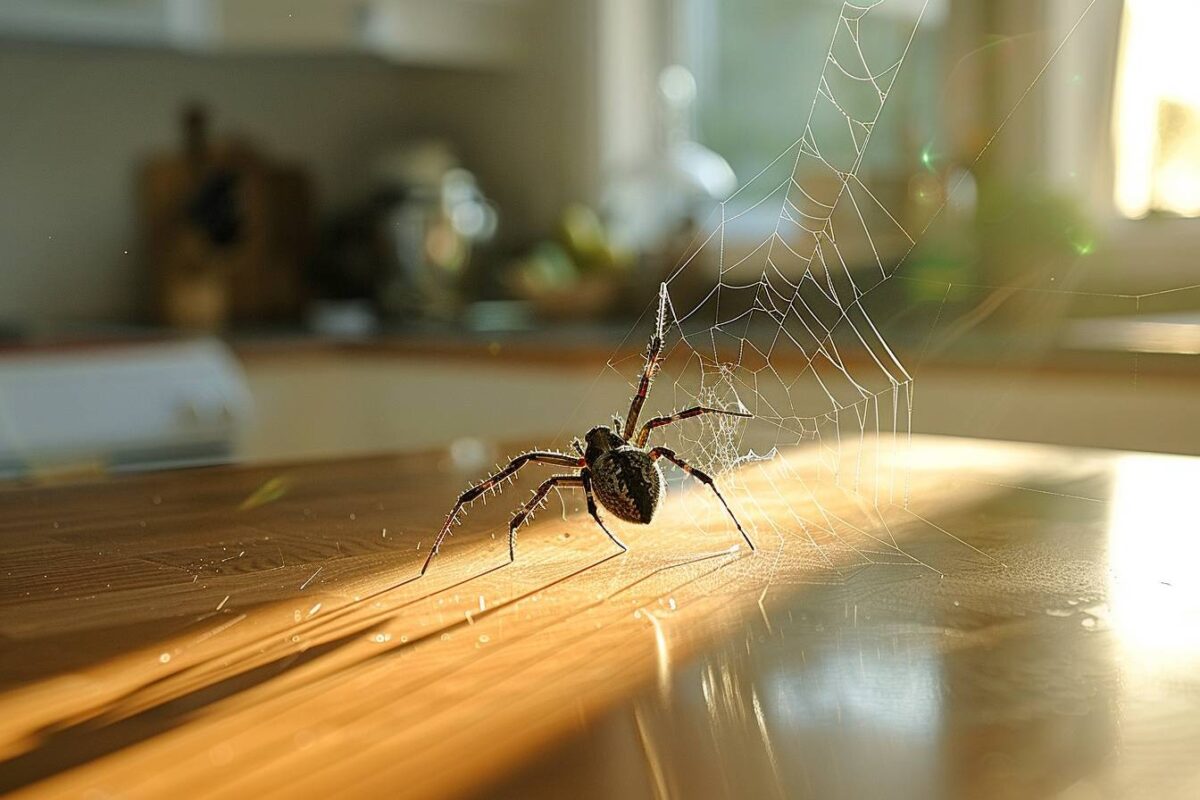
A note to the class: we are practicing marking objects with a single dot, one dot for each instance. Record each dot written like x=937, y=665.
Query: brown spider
x=614, y=467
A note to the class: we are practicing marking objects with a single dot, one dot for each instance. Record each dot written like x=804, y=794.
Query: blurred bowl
x=588, y=297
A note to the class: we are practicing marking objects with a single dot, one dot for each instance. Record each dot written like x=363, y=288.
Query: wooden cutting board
x=228, y=232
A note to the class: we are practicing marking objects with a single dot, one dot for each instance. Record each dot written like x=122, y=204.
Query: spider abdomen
x=628, y=483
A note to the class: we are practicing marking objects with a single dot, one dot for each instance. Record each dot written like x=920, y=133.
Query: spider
x=616, y=468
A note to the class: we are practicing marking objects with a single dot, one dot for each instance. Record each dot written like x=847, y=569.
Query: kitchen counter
x=1153, y=345
x=1114, y=346
x=1021, y=627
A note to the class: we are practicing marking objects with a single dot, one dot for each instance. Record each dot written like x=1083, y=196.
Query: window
x=757, y=62
x=1156, y=119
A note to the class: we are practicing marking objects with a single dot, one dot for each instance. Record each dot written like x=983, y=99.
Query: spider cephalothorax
x=615, y=467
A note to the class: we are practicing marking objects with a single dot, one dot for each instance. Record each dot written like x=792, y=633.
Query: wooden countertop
x=1025, y=626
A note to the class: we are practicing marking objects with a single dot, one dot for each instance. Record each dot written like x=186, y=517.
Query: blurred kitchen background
x=265, y=229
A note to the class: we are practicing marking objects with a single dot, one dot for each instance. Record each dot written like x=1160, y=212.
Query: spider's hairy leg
x=591, y=507
x=536, y=456
x=669, y=454
x=695, y=411
x=653, y=359
x=534, y=502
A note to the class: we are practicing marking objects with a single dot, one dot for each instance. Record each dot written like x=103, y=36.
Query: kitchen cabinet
x=485, y=34
x=322, y=402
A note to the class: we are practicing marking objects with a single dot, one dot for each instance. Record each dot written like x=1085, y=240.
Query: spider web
x=783, y=331
x=790, y=297
x=774, y=308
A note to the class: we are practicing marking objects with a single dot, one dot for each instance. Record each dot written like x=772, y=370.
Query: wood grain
x=238, y=632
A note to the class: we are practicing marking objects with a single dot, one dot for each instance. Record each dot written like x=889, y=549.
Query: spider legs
x=583, y=480
x=653, y=354
x=653, y=359
x=591, y=507
x=538, y=497
x=669, y=454
x=695, y=411
x=539, y=456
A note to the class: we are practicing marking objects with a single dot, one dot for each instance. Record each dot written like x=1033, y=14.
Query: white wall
x=76, y=122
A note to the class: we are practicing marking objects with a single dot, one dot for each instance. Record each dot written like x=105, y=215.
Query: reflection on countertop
x=1069, y=671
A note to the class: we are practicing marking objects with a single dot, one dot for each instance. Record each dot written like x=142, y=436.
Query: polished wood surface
x=983, y=620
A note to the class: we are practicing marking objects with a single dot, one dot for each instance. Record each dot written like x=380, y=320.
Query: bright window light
x=1156, y=122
